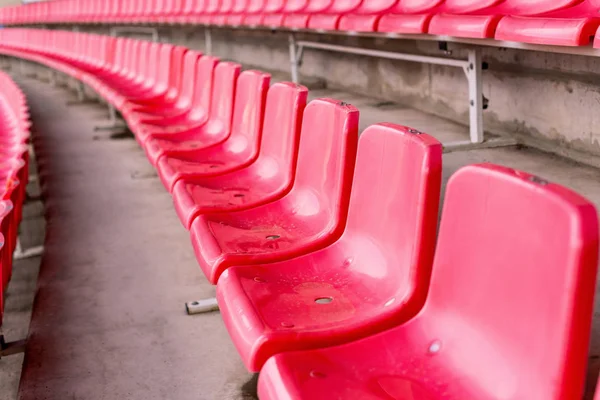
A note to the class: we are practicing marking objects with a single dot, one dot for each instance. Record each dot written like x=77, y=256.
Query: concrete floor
x=109, y=321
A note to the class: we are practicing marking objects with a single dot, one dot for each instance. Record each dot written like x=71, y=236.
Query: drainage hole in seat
x=324, y=300
x=273, y=237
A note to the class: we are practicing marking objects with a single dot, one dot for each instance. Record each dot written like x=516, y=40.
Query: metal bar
x=474, y=77
x=465, y=145
x=31, y=252
x=118, y=30
x=384, y=54
x=202, y=306
x=294, y=58
x=208, y=41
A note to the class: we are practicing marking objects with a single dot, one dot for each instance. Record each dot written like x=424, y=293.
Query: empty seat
x=413, y=16
x=164, y=114
x=373, y=278
x=461, y=19
x=299, y=20
x=275, y=19
x=271, y=7
x=366, y=17
x=329, y=18
x=238, y=150
x=214, y=131
x=507, y=315
x=569, y=26
x=311, y=216
x=267, y=179
x=197, y=114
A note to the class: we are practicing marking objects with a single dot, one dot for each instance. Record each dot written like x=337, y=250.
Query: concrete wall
x=543, y=99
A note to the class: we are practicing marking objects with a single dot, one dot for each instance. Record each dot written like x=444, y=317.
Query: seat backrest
x=164, y=66
x=416, y=6
x=176, y=68
x=249, y=108
x=273, y=6
x=513, y=283
x=211, y=6
x=375, y=6
x=203, y=84
x=395, y=203
x=255, y=6
x=326, y=157
x=187, y=82
x=532, y=7
x=281, y=127
x=225, y=7
x=317, y=6
x=223, y=95
x=342, y=6
x=293, y=6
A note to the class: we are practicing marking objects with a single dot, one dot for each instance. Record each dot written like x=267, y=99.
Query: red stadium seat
x=311, y=216
x=507, y=315
x=482, y=22
x=573, y=26
x=252, y=12
x=271, y=7
x=214, y=131
x=273, y=18
x=241, y=147
x=366, y=17
x=299, y=20
x=265, y=180
x=373, y=278
x=164, y=115
x=199, y=110
x=238, y=13
x=328, y=19
x=225, y=9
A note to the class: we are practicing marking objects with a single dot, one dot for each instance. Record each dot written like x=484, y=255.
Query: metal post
x=31, y=252
x=474, y=76
x=293, y=59
x=208, y=41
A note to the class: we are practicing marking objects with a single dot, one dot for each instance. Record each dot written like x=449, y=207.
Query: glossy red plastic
x=183, y=101
x=198, y=113
x=373, y=278
x=366, y=17
x=507, y=315
x=299, y=20
x=482, y=22
x=265, y=180
x=214, y=131
x=328, y=19
x=311, y=216
x=569, y=26
x=241, y=146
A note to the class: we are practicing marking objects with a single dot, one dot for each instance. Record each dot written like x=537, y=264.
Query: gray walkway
x=109, y=321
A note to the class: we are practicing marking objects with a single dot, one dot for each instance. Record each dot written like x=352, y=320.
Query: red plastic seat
x=373, y=278
x=214, y=131
x=366, y=17
x=199, y=110
x=239, y=149
x=265, y=180
x=482, y=22
x=239, y=12
x=597, y=396
x=507, y=315
x=274, y=19
x=414, y=16
x=573, y=26
x=225, y=8
x=183, y=101
x=328, y=19
x=271, y=7
x=311, y=216
x=299, y=20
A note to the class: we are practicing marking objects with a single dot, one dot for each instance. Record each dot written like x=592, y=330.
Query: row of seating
x=323, y=245
x=14, y=174
x=550, y=22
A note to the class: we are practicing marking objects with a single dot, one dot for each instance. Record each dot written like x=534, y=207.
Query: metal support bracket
x=31, y=252
x=472, y=68
x=11, y=348
x=202, y=306
x=137, y=30
x=208, y=41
